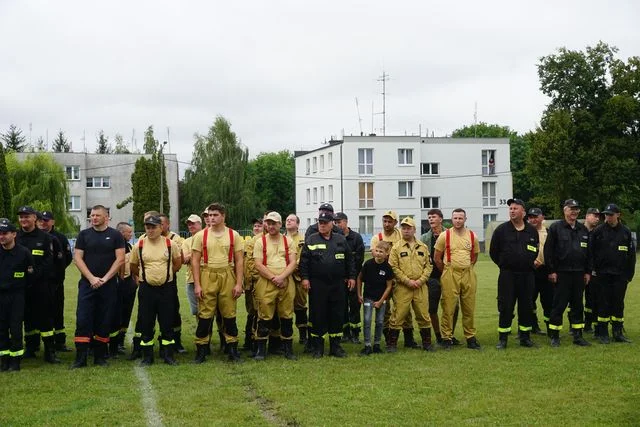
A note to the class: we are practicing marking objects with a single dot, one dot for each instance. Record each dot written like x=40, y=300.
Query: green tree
x=13, y=139
x=61, y=143
x=588, y=143
x=274, y=176
x=121, y=147
x=40, y=144
x=518, y=152
x=145, y=187
x=103, y=144
x=218, y=173
x=151, y=144
x=5, y=188
x=39, y=181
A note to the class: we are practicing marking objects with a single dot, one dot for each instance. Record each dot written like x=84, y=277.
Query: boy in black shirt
x=377, y=274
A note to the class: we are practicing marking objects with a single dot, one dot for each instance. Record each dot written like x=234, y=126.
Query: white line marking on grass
x=148, y=395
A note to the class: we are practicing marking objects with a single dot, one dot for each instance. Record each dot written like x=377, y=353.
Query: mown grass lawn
x=567, y=386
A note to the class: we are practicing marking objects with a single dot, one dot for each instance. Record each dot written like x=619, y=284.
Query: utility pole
x=384, y=79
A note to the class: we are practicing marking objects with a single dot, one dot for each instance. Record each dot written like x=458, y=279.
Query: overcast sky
x=286, y=74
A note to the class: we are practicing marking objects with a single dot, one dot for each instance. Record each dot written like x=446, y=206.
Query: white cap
x=194, y=218
x=273, y=216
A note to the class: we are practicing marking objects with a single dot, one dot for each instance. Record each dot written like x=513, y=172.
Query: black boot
x=160, y=349
x=355, y=334
x=14, y=363
x=578, y=340
x=287, y=346
x=99, y=353
x=502, y=341
x=30, y=346
x=318, y=347
x=223, y=344
x=588, y=320
x=385, y=334
x=136, y=351
x=303, y=335
x=147, y=355
x=425, y=334
x=602, y=332
x=346, y=334
x=168, y=355
x=50, y=351
x=555, y=337
x=335, y=349
x=261, y=350
x=60, y=340
x=525, y=339
x=81, y=357
x=201, y=353
x=392, y=341
x=234, y=356
x=275, y=345
x=113, y=348
x=4, y=362
x=248, y=342
x=409, y=342
x=618, y=335
x=179, y=348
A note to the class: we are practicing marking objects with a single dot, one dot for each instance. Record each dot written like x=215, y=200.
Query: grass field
x=566, y=386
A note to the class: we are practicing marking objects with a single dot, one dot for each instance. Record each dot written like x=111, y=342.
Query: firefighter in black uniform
x=566, y=253
x=514, y=248
x=614, y=261
x=62, y=258
x=325, y=263
x=328, y=209
x=16, y=267
x=38, y=319
x=352, y=306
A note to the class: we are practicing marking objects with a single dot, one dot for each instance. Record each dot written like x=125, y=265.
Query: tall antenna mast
x=169, y=138
x=133, y=140
x=384, y=79
x=359, y=118
x=475, y=120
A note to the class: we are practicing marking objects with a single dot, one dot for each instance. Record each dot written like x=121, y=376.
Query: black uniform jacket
x=16, y=267
x=514, y=250
x=613, y=251
x=357, y=249
x=566, y=248
x=327, y=260
x=40, y=244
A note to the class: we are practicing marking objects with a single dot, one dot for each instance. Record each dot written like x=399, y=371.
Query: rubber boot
x=385, y=334
x=234, y=356
x=261, y=350
x=275, y=345
x=178, y=347
x=346, y=334
x=303, y=335
x=30, y=346
x=318, y=347
x=248, y=342
x=335, y=349
x=555, y=337
x=147, y=355
x=392, y=342
x=223, y=344
x=160, y=349
x=355, y=336
x=113, y=348
x=287, y=346
x=588, y=320
x=502, y=341
x=168, y=355
x=14, y=363
x=578, y=340
x=201, y=353
x=60, y=340
x=409, y=342
x=425, y=334
x=81, y=357
x=50, y=351
x=618, y=335
x=99, y=353
x=602, y=332
x=525, y=339
x=136, y=351
x=4, y=362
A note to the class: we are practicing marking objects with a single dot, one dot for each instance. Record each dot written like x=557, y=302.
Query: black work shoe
x=603, y=339
x=502, y=345
x=455, y=341
x=336, y=350
x=555, y=342
x=447, y=344
x=355, y=340
x=619, y=337
x=473, y=344
x=526, y=342
x=201, y=353
x=4, y=366
x=579, y=341
x=366, y=351
x=377, y=349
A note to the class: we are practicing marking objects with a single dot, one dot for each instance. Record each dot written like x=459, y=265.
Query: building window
x=488, y=162
x=308, y=195
x=98, y=182
x=315, y=195
x=430, y=202
x=322, y=163
x=405, y=156
x=365, y=195
x=429, y=168
x=308, y=166
x=330, y=161
x=73, y=173
x=74, y=203
x=365, y=161
x=487, y=218
x=330, y=198
x=322, y=195
x=315, y=164
x=365, y=224
x=405, y=189
x=488, y=194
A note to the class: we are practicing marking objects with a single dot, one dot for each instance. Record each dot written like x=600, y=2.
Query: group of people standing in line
x=408, y=276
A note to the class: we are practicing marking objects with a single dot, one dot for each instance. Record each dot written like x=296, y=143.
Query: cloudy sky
x=286, y=74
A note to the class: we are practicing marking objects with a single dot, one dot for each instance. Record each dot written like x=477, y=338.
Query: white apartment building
x=364, y=176
x=105, y=179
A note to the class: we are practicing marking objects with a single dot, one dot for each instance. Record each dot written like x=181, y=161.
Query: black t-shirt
x=374, y=278
x=99, y=248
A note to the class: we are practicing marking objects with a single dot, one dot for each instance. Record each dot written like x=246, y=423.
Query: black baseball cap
x=594, y=211
x=534, y=212
x=326, y=207
x=340, y=215
x=28, y=210
x=516, y=201
x=46, y=215
x=611, y=208
x=572, y=203
x=152, y=220
x=6, y=226
x=325, y=217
